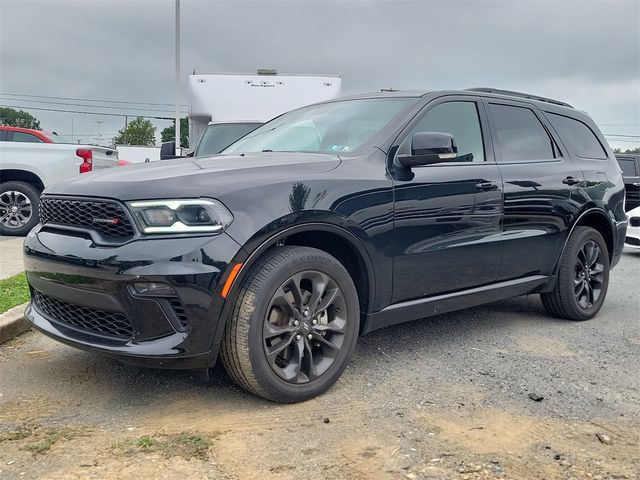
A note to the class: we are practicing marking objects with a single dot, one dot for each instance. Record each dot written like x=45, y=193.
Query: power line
x=88, y=113
x=90, y=100
x=620, y=135
x=618, y=124
x=86, y=105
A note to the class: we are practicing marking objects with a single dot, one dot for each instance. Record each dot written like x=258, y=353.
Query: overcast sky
x=586, y=53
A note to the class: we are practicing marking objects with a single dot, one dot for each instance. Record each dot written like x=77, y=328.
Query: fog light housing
x=154, y=289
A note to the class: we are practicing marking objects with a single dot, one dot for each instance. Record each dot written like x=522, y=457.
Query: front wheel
x=583, y=277
x=294, y=326
x=18, y=208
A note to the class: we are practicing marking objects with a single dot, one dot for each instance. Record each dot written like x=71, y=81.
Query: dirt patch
x=534, y=447
x=27, y=410
x=542, y=346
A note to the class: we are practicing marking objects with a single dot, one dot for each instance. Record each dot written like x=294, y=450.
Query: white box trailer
x=138, y=153
x=252, y=98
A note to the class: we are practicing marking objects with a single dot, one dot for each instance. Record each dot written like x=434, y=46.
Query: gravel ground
x=448, y=397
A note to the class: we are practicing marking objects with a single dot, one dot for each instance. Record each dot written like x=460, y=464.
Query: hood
x=195, y=177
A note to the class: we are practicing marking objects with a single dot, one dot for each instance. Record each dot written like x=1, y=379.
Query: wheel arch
x=597, y=219
x=16, y=175
x=333, y=239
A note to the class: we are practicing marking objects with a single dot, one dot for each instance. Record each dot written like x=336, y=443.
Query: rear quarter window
x=578, y=135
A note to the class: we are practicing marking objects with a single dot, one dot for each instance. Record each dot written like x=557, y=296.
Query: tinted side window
x=519, y=134
x=578, y=135
x=459, y=119
x=628, y=167
x=25, y=137
x=3, y=135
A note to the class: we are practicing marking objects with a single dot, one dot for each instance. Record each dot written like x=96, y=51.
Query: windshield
x=219, y=136
x=330, y=127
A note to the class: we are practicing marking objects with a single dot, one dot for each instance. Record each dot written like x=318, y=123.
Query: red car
x=18, y=134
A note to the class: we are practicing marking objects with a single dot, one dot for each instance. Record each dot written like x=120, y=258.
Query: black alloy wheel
x=589, y=274
x=294, y=325
x=304, y=328
x=582, y=278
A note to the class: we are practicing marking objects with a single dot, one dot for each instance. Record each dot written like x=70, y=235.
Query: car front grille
x=104, y=216
x=112, y=324
x=634, y=221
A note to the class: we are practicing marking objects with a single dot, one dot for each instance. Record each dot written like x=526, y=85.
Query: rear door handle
x=487, y=186
x=571, y=181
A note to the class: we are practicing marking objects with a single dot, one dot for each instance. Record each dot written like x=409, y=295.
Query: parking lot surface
x=499, y=391
x=10, y=256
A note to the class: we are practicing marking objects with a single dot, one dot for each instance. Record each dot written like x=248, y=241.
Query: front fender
x=280, y=229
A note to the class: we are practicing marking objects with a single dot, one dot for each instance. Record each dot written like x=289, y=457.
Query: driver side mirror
x=428, y=148
x=168, y=151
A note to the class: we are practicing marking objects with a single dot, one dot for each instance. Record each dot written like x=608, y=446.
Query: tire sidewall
x=584, y=235
x=264, y=374
x=32, y=194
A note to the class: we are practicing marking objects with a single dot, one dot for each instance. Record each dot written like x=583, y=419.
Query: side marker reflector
x=232, y=276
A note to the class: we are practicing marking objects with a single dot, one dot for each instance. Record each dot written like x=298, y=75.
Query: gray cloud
x=586, y=53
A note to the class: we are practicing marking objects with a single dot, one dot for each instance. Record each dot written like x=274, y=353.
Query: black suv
x=630, y=165
x=324, y=224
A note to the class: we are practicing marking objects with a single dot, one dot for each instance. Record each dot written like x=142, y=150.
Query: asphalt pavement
x=10, y=256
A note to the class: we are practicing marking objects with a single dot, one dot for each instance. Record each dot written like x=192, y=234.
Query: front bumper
x=632, y=238
x=83, y=295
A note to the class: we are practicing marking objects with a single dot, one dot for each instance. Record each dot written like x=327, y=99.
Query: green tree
x=169, y=133
x=138, y=132
x=18, y=118
x=628, y=150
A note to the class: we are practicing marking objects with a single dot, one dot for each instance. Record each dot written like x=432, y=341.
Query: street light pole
x=177, y=75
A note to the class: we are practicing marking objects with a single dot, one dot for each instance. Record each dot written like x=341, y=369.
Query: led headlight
x=181, y=216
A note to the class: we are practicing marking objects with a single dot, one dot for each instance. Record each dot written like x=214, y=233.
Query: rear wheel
x=294, y=326
x=18, y=208
x=583, y=277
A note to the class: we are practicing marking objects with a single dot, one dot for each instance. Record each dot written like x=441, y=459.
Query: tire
x=16, y=200
x=264, y=320
x=579, y=293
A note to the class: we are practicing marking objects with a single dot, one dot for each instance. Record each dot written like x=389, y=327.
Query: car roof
x=20, y=129
x=541, y=102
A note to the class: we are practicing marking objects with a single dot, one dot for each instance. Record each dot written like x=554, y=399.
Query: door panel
x=447, y=216
x=537, y=211
x=542, y=189
x=447, y=231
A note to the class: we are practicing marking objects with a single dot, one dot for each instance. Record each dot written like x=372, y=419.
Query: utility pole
x=177, y=75
x=72, y=130
x=126, y=124
x=98, y=132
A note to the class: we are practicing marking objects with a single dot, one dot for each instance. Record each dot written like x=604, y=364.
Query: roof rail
x=510, y=93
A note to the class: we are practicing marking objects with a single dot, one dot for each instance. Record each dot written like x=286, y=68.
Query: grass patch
x=48, y=438
x=186, y=445
x=14, y=291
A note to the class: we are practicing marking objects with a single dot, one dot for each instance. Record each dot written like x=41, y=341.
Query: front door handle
x=571, y=181
x=487, y=186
